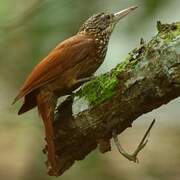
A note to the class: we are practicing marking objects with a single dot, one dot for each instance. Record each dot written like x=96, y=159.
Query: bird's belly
x=66, y=82
x=89, y=67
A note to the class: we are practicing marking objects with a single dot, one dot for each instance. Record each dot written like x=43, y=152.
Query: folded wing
x=63, y=57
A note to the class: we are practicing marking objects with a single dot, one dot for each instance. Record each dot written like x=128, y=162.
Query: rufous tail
x=46, y=103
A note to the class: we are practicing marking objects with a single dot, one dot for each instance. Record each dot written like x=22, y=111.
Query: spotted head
x=104, y=22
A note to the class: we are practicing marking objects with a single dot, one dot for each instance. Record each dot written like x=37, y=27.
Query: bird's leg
x=46, y=102
x=143, y=142
x=86, y=79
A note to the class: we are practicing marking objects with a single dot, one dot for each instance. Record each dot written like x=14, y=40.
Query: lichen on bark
x=148, y=78
x=104, y=86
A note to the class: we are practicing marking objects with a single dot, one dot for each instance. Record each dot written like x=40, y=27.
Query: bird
x=70, y=64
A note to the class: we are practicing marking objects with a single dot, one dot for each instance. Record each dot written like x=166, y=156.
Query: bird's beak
x=119, y=15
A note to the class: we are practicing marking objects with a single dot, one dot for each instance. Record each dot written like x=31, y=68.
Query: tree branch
x=147, y=79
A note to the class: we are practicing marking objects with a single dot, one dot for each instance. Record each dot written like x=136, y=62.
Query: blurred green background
x=28, y=31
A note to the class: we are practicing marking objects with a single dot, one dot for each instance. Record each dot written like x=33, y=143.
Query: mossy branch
x=148, y=78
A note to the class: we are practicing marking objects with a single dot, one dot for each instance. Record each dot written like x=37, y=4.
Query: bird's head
x=104, y=22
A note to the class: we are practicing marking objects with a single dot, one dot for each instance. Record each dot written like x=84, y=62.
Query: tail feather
x=46, y=107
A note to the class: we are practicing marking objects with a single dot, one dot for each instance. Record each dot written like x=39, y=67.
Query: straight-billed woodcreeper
x=65, y=68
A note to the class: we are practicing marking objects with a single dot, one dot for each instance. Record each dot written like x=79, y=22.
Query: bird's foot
x=142, y=144
x=86, y=79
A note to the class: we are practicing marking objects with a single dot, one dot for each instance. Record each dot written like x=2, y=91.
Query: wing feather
x=63, y=57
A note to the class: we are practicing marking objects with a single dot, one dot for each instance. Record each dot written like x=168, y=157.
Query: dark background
x=28, y=31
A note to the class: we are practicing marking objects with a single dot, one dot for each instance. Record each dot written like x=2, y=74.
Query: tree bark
x=147, y=79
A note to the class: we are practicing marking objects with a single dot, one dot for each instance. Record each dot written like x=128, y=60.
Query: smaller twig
x=143, y=142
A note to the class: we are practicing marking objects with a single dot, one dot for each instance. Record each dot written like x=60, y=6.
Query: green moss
x=104, y=86
x=99, y=90
x=122, y=66
x=169, y=32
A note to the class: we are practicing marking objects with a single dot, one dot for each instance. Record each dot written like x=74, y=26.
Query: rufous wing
x=63, y=57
